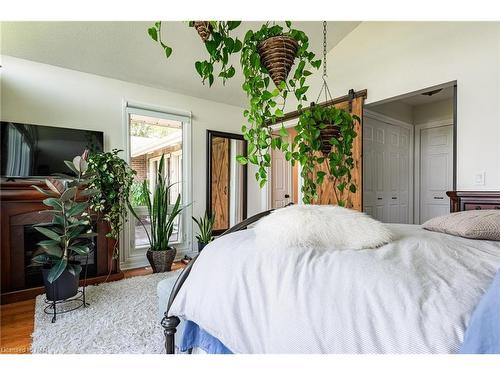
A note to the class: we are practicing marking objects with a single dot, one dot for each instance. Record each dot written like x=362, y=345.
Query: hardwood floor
x=16, y=319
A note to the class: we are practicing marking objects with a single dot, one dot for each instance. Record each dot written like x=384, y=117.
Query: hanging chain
x=324, y=87
x=324, y=49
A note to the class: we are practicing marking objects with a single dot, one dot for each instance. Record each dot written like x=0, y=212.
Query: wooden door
x=281, y=189
x=436, y=171
x=220, y=182
x=283, y=177
x=325, y=191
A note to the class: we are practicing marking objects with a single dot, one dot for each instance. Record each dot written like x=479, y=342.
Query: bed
x=415, y=294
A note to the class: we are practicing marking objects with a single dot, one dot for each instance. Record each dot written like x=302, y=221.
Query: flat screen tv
x=38, y=151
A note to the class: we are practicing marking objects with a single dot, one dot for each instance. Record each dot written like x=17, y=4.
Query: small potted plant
x=162, y=217
x=205, y=227
x=68, y=234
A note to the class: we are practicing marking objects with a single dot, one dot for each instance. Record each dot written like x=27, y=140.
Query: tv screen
x=38, y=151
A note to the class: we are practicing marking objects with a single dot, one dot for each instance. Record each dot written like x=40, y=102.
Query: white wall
x=433, y=112
x=394, y=58
x=48, y=95
x=396, y=110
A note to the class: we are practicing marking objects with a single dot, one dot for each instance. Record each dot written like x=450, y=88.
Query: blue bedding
x=483, y=332
x=196, y=337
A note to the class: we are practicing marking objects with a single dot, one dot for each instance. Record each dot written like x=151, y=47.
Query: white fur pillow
x=320, y=227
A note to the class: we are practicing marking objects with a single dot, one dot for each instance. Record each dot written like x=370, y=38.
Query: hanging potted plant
x=324, y=138
x=324, y=135
x=205, y=228
x=216, y=36
x=268, y=54
x=203, y=28
x=67, y=234
x=277, y=55
x=162, y=216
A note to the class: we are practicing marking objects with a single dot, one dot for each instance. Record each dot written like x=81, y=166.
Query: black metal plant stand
x=74, y=303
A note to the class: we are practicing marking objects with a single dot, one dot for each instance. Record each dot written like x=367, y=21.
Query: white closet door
x=405, y=173
x=392, y=174
x=374, y=181
x=436, y=171
x=368, y=170
x=386, y=171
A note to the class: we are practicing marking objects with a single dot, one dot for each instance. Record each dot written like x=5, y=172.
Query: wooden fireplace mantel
x=20, y=205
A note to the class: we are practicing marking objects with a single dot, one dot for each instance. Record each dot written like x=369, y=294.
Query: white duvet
x=413, y=295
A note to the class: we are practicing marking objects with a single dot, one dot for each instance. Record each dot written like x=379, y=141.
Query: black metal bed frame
x=170, y=322
x=473, y=201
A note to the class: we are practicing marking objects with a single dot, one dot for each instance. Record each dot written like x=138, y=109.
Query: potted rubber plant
x=162, y=216
x=68, y=234
x=205, y=228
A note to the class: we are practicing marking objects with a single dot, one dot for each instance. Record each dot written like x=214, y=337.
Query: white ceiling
x=123, y=50
x=420, y=99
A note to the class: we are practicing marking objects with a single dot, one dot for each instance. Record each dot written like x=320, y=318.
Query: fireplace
x=21, y=207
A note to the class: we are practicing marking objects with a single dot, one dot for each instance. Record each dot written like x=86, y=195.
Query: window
x=151, y=135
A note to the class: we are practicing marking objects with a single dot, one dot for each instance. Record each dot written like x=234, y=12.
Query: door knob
x=394, y=198
x=287, y=196
x=438, y=197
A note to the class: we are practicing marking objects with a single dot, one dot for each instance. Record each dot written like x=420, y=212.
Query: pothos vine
x=264, y=104
x=266, y=107
x=337, y=164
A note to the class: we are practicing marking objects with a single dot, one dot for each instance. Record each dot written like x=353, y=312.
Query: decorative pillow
x=477, y=224
x=320, y=227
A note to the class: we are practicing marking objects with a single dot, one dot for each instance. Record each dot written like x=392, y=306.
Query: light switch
x=479, y=178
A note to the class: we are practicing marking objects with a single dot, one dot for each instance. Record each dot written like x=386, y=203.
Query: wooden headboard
x=474, y=200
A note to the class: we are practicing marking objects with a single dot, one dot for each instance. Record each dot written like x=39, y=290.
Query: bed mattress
x=413, y=295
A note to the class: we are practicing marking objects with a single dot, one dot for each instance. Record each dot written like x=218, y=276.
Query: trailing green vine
x=155, y=34
x=219, y=45
x=112, y=178
x=306, y=150
x=265, y=104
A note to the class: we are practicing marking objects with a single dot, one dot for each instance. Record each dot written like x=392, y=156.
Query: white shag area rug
x=122, y=318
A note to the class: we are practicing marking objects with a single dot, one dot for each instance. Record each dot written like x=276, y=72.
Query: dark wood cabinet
x=21, y=206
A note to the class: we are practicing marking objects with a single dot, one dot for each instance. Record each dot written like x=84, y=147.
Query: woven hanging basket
x=329, y=132
x=204, y=29
x=277, y=54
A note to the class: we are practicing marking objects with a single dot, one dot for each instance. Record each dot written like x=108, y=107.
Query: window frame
x=130, y=256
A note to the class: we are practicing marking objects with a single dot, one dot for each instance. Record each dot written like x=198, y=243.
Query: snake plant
x=205, y=226
x=162, y=218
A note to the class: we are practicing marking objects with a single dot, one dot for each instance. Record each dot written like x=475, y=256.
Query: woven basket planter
x=329, y=132
x=277, y=54
x=203, y=28
x=161, y=261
